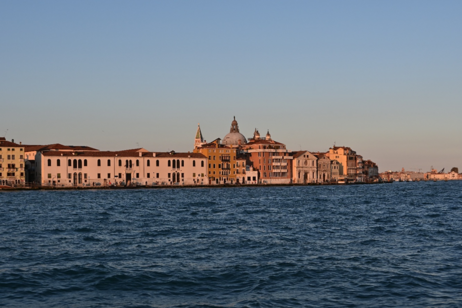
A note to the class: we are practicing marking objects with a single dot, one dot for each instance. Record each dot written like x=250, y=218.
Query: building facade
x=12, y=163
x=106, y=168
x=304, y=167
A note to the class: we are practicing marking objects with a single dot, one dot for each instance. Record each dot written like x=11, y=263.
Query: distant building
x=347, y=162
x=324, y=168
x=270, y=158
x=104, y=168
x=304, y=167
x=12, y=164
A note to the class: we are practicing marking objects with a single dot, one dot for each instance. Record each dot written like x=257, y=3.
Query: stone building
x=12, y=163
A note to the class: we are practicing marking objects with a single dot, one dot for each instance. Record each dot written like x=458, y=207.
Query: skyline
x=381, y=78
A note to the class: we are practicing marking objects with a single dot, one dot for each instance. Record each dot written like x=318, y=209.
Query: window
x=194, y=163
x=85, y=163
x=69, y=176
x=58, y=163
x=69, y=163
x=120, y=175
x=169, y=164
x=108, y=175
x=174, y=163
x=182, y=163
x=148, y=163
x=85, y=176
x=157, y=163
x=169, y=175
x=182, y=175
x=210, y=166
x=49, y=163
x=148, y=175
x=80, y=163
x=137, y=163
x=108, y=162
x=213, y=165
x=99, y=163
x=202, y=163
x=157, y=175
x=99, y=176
x=49, y=175
x=194, y=175
x=137, y=175
x=59, y=175
x=120, y=163
x=21, y=156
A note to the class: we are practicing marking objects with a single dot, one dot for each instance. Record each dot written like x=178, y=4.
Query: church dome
x=234, y=137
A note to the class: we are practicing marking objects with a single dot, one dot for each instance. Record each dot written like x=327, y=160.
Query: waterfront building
x=224, y=164
x=12, y=164
x=304, y=167
x=360, y=177
x=324, y=168
x=105, y=168
x=347, y=162
x=372, y=170
x=270, y=158
x=32, y=150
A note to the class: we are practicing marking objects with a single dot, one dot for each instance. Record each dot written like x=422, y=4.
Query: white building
x=304, y=167
x=104, y=168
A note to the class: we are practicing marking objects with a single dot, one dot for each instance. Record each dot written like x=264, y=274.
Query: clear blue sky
x=383, y=77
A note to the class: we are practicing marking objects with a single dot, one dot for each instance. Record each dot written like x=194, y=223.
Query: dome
x=234, y=137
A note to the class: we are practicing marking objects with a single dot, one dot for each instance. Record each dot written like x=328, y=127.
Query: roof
x=57, y=146
x=120, y=154
x=4, y=143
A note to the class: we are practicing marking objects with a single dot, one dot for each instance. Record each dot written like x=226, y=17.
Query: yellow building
x=224, y=165
x=347, y=162
x=11, y=163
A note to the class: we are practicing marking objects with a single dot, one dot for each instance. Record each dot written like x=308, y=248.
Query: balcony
x=225, y=158
x=279, y=163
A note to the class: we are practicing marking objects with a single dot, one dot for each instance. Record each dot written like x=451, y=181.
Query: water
x=390, y=245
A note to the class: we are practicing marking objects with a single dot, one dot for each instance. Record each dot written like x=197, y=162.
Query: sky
x=381, y=77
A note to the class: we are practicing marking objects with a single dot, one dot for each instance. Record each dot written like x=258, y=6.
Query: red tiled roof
x=4, y=143
x=120, y=154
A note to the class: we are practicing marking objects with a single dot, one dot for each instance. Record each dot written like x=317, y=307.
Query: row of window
x=128, y=163
x=11, y=149
x=157, y=175
x=12, y=174
x=12, y=157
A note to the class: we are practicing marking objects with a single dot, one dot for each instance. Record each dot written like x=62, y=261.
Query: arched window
x=85, y=163
x=69, y=163
x=169, y=163
x=194, y=163
x=80, y=163
x=75, y=163
x=202, y=163
x=137, y=163
x=126, y=163
x=148, y=163
x=49, y=163
x=58, y=163
x=99, y=162
x=182, y=163
x=178, y=163
x=157, y=163
x=130, y=162
x=174, y=164
x=120, y=163
x=108, y=162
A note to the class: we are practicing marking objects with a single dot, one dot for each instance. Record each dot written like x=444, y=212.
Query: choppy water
x=391, y=245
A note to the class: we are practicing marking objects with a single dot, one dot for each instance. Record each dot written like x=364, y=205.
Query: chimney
x=20, y=142
x=12, y=140
x=153, y=154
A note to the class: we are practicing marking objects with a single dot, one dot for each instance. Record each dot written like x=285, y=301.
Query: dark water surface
x=390, y=245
